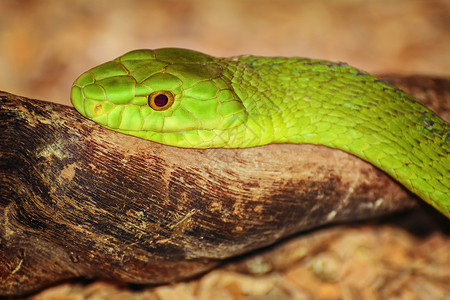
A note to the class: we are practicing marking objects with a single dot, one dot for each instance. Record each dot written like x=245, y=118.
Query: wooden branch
x=78, y=200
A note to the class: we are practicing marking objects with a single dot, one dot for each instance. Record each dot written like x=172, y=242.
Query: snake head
x=174, y=96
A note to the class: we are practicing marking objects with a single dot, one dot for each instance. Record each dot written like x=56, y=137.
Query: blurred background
x=46, y=44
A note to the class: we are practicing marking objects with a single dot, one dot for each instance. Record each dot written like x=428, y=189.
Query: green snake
x=185, y=98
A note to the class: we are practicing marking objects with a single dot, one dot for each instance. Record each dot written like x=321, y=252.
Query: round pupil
x=161, y=100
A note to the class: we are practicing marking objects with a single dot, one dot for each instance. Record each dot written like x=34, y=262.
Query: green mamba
x=188, y=99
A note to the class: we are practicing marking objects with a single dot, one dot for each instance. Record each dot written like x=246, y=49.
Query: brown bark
x=78, y=200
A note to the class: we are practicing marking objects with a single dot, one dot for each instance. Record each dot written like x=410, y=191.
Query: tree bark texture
x=79, y=200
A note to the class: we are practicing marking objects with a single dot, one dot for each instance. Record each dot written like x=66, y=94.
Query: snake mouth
x=93, y=110
x=77, y=99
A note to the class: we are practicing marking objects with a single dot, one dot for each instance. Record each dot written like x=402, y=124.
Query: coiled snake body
x=188, y=99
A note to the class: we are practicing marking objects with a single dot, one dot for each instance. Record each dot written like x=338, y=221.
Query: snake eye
x=160, y=100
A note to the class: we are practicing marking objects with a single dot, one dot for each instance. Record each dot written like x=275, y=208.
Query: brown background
x=46, y=44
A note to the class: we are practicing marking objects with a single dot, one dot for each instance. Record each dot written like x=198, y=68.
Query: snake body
x=189, y=99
